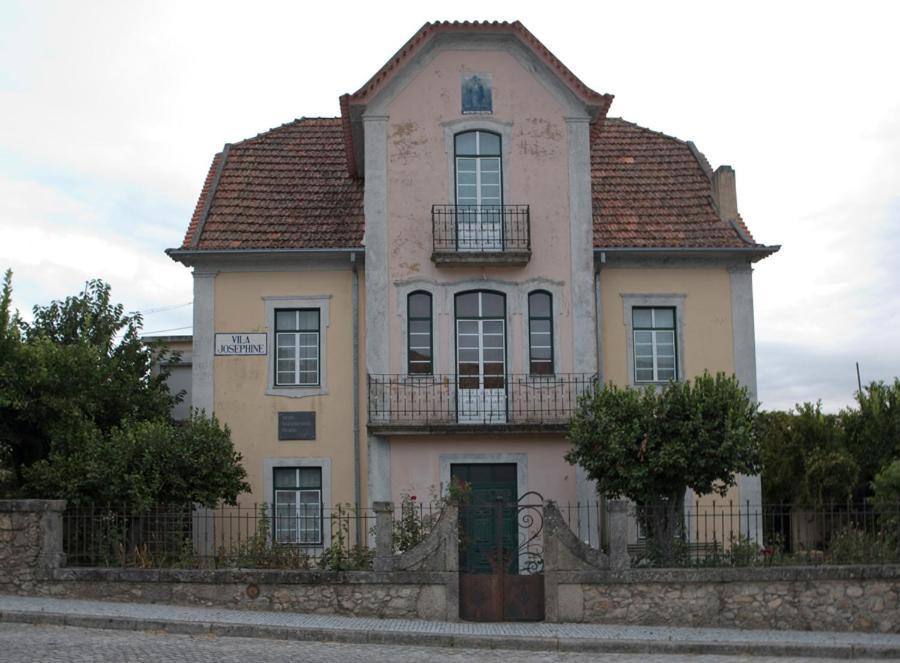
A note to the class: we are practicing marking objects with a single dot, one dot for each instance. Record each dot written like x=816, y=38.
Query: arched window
x=540, y=333
x=419, y=338
x=479, y=190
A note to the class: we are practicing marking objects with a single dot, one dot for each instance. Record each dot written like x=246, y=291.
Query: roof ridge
x=295, y=121
x=649, y=130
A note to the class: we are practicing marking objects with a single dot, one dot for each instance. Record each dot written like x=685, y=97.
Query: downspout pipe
x=357, y=490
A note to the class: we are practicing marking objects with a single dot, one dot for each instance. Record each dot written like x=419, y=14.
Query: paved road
x=21, y=643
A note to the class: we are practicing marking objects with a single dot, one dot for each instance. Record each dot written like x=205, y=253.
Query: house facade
x=421, y=288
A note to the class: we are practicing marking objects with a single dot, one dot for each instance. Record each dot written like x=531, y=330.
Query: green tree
x=79, y=364
x=873, y=428
x=812, y=458
x=82, y=417
x=805, y=459
x=651, y=445
x=886, y=497
x=143, y=463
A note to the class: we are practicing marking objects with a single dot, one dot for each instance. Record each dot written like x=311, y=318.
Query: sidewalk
x=536, y=637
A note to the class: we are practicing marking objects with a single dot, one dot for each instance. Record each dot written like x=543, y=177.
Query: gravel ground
x=57, y=644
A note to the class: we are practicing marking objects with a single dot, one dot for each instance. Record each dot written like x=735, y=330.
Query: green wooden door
x=489, y=516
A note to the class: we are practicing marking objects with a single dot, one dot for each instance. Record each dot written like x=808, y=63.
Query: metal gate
x=501, y=560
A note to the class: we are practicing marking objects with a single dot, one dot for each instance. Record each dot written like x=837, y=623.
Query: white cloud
x=131, y=100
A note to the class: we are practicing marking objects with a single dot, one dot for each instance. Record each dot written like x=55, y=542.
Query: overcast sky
x=111, y=111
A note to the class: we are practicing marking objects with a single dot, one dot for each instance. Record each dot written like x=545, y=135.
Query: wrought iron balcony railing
x=486, y=231
x=442, y=401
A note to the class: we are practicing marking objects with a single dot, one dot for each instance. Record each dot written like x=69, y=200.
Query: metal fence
x=725, y=533
x=443, y=399
x=236, y=536
x=481, y=228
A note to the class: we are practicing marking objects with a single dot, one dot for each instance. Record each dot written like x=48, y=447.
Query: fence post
x=618, y=535
x=384, y=526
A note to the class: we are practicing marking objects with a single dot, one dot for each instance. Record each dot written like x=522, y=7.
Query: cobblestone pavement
x=21, y=643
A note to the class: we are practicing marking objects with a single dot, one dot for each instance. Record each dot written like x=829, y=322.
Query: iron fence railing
x=307, y=536
x=717, y=533
x=481, y=228
x=449, y=399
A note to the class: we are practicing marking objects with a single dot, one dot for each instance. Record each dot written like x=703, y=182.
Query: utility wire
x=162, y=308
x=160, y=331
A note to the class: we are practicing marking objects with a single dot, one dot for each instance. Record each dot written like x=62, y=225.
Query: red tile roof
x=651, y=190
x=289, y=188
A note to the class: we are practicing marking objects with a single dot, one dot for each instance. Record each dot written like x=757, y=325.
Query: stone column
x=384, y=526
x=618, y=535
x=31, y=542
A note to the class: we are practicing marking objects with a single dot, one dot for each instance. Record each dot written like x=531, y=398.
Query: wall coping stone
x=252, y=576
x=726, y=575
x=32, y=506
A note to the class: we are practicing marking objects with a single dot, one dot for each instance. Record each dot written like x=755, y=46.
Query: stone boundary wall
x=581, y=584
x=420, y=583
x=414, y=595
x=30, y=542
x=833, y=598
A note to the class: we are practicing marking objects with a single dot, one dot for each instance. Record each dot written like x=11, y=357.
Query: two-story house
x=420, y=288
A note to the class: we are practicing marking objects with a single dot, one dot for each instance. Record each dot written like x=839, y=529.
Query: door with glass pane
x=481, y=358
x=479, y=199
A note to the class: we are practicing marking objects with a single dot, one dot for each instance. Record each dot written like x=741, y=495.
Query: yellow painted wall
x=240, y=382
x=707, y=333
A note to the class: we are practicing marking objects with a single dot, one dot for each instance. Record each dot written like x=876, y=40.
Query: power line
x=163, y=308
x=160, y=331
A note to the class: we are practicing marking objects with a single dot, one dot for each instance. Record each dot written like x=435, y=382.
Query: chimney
x=725, y=192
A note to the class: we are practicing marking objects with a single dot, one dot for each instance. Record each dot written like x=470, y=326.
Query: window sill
x=296, y=392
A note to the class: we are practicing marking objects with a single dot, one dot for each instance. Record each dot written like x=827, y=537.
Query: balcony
x=407, y=404
x=481, y=235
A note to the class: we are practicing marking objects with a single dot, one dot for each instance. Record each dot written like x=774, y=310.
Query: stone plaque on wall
x=240, y=344
x=296, y=425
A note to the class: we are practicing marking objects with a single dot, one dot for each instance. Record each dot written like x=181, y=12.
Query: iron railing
x=450, y=399
x=235, y=536
x=717, y=533
x=481, y=229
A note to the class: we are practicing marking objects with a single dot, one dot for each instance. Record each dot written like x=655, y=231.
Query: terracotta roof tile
x=289, y=188
x=285, y=188
x=651, y=190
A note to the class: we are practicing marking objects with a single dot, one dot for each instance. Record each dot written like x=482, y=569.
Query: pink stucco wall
x=415, y=462
x=422, y=119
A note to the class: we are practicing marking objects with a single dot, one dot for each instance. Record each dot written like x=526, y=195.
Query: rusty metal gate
x=501, y=560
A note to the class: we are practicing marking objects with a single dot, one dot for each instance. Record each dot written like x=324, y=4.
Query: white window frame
x=639, y=300
x=321, y=302
x=268, y=483
x=654, y=330
x=298, y=504
x=296, y=345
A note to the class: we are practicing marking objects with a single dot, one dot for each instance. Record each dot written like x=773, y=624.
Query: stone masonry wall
x=30, y=542
x=862, y=598
x=360, y=594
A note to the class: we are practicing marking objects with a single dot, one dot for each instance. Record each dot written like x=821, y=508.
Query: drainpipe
x=356, y=451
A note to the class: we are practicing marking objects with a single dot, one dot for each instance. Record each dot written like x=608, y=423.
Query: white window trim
x=477, y=123
x=631, y=301
x=320, y=302
x=269, y=465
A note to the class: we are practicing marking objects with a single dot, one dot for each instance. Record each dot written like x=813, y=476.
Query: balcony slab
x=470, y=258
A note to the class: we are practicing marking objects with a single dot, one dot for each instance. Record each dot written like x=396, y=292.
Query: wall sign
x=296, y=425
x=240, y=344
